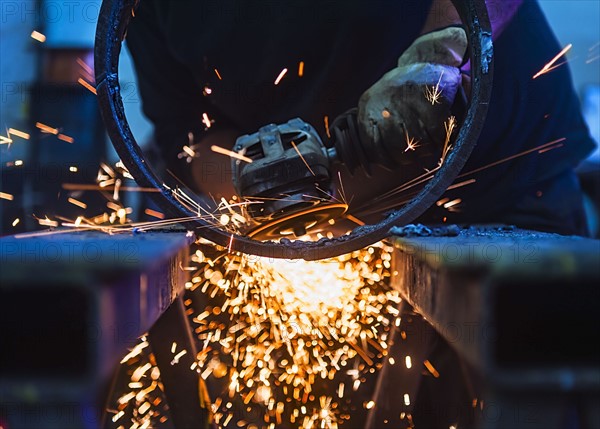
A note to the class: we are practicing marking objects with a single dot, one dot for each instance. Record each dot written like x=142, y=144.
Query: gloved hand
x=411, y=102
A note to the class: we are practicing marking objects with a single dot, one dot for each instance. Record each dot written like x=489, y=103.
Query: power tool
x=290, y=176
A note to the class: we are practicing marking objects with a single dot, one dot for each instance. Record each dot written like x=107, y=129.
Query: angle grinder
x=289, y=181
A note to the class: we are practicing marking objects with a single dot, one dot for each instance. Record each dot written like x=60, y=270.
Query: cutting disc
x=299, y=223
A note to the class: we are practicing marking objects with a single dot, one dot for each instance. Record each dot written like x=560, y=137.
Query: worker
x=212, y=70
x=207, y=69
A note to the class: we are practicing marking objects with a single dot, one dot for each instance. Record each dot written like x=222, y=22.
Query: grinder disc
x=298, y=223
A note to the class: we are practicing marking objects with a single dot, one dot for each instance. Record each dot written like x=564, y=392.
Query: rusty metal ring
x=110, y=32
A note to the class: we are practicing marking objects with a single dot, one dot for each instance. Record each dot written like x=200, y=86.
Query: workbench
x=521, y=311
x=71, y=304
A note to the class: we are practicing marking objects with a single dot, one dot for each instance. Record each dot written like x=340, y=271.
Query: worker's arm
x=443, y=14
x=409, y=107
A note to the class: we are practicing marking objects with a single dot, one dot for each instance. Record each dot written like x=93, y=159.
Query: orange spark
x=85, y=66
x=550, y=148
x=302, y=158
x=452, y=203
x=230, y=153
x=189, y=151
x=433, y=94
x=77, y=203
x=550, y=65
x=230, y=244
x=154, y=213
x=88, y=187
x=281, y=75
x=87, y=85
x=46, y=128
x=65, y=138
x=5, y=196
x=18, y=133
x=206, y=120
x=508, y=158
x=411, y=142
x=36, y=35
x=301, y=68
x=431, y=369
x=354, y=219
x=326, y=120
x=460, y=184
x=218, y=74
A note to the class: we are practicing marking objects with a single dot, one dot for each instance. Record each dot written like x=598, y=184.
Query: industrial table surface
x=71, y=303
x=520, y=308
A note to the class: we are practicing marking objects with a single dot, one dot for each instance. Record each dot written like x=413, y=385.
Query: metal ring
x=111, y=29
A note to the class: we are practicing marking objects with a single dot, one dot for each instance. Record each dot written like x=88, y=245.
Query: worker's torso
x=345, y=46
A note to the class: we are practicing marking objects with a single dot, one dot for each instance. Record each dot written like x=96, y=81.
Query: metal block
x=520, y=307
x=70, y=305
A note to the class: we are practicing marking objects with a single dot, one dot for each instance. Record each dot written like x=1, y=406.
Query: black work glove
x=409, y=105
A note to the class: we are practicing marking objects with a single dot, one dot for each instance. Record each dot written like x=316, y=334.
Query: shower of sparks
x=280, y=76
x=36, y=35
x=278, y=345
x=301, y=69
x=87, y=85
x=433, y=93
x=18, y=133
x=551, y=64
x=230, y=153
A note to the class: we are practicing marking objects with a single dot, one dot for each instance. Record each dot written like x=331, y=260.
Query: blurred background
x=52, y=133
